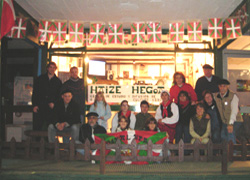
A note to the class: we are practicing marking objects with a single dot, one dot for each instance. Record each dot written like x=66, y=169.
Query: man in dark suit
x=46, y=92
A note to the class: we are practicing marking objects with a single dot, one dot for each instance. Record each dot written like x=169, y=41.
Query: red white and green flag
x=76, y=31
x=8, y=17
x=215, y=28
x=19, y=29
x=115, y=33
x=86, y=40
x=194, y=31
x=97, y=32
x=233, y=28
x=59, y=31
x=126, y=137
x=176, y=32
x=45, y=30
x=137, y=33
x=154, y=32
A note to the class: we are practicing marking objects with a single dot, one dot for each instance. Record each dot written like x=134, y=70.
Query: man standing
x=66, y=118
x=142, y=116
x=76, y=85
x=228, y=106
x=206, y=82
x=46, y=92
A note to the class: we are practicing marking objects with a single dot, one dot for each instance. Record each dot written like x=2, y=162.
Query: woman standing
x=167, y=115
x=180, y=84
x=101, y=107
x=124, y=111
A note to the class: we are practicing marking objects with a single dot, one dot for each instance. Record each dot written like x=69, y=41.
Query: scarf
x=127, y=115
x=165, y=112
x=183, y=104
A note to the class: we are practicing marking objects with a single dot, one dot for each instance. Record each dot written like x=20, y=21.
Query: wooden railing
x=42, y=150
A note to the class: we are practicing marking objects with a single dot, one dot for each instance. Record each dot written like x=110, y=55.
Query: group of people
x=208, y=111
x=57, y=106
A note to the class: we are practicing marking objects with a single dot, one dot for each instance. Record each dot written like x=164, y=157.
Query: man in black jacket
x=46, y=92
x=206, y=82
x=87, y=131
x=67, y=117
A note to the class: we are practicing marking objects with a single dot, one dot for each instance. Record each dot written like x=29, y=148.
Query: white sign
x=118, y=93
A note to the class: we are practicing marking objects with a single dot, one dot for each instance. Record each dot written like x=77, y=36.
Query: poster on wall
x=243, y=85
x=118, y=93
x=23, y=87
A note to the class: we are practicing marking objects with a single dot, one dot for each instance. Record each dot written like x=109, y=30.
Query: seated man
x=66, y=118
x=142, y=116
x=88, y=130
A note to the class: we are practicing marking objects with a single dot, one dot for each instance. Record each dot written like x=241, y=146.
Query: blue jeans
x=74, y=130
x=180, y=131
x=81, y=151
x=230, y=136
x=215, y=126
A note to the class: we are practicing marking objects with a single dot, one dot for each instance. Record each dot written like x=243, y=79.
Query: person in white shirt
x=167, y=115
x=124, y=112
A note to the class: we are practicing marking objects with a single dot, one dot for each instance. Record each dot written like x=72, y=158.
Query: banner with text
x=117, y=93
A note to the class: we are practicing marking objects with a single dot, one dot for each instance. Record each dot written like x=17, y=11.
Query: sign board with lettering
x=117, y=93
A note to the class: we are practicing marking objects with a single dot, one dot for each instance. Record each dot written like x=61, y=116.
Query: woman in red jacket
x=181, y=85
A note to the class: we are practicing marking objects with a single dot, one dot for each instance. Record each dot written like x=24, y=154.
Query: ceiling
x=127, y=11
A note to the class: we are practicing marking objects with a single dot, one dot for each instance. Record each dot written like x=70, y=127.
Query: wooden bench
x=43, y=134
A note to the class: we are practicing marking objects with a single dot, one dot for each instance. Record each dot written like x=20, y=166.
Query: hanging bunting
x=59, y=31
x=19, y=29
x=105, y=39
x=97, y=32
x=194, y=31
x=86, y=40
x=126, y=39
x=115, y=33
x=176, y=32
x=76, y=31
x=215, y=28
x=45, y=30
x=137, y=33
x=233, y=28
x=154, y=32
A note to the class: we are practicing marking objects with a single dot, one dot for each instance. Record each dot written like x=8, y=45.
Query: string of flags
x=60, y=31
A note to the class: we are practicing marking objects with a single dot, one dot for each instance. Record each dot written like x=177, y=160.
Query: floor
x=34, y=169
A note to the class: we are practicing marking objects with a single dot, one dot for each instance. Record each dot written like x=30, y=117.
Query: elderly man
x=88, y=130
x=76, y=85
x=67, y=117
x=206, y=82
x=228, y=106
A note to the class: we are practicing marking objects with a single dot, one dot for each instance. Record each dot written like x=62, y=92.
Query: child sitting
x=123, y=124
x=151, y=125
